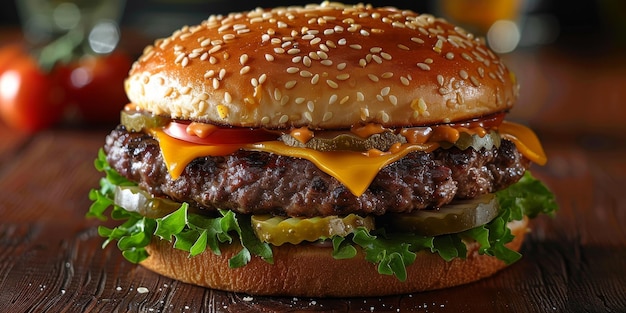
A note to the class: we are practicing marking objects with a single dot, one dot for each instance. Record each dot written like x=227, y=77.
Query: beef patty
x=253, y=182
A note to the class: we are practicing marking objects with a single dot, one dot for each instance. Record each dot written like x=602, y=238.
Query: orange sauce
x=302, y=134
x=201, y=130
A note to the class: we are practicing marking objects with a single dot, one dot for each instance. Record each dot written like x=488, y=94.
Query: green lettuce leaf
x=391, y=251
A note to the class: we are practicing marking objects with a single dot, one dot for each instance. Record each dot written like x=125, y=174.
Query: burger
x=326, y=150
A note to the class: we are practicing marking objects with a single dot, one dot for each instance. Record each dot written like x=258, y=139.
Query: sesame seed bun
x=307, y=270
x=322, y=66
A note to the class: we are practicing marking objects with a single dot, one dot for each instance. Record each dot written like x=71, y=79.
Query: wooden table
x=51, y=259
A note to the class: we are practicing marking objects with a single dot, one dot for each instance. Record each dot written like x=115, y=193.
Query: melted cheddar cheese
x=355, y=170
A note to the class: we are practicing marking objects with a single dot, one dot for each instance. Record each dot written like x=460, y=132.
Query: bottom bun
x=310, y=270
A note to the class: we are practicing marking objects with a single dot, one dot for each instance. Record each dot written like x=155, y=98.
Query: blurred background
x=559, y=50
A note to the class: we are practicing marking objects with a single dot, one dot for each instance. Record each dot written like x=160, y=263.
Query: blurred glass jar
x=94, y=23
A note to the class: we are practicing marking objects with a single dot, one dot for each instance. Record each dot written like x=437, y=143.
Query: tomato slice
x=220, y=135
x=488, y=122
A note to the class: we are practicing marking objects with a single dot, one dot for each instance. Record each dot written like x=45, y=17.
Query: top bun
x=327, y=66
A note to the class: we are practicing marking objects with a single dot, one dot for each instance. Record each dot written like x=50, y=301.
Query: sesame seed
x=279, y=50
x=481, y=72
x=168, y=91
x=315, y=40
x=332, y=84
x=341, y=66
x=385, y=56
x=449, y=55
x=385, y=91
x=467, y=57
x=205, y=43
x=209, y=74
x=299, y=100
x=308, y=37
x=269, y=57
x=227, y=97
x=228, y=37
x=310, y=106
x=204, y=56
x=327, y=62
x=344, y=100
x=329, y=31
x=342, y=42
x=215, y=49
x=438, y=46
x=417, y=40
x=277, y=94
x=179, y=58
x=292, y=70
x=364, y=32
x=327, y=116
x=306, y=74
x=306, y=61
x=384, y=116
x=344, y=76
x=281, y=24
x=393, y=99
x=213, y=60
x=315, y=79
x=423, y=66
x=290, y=84
x=283, y=119
x=362, y=62
x=404, y=80
x=254, y=82
x=403, y=47
x=474, y=81
x=373, y=77
x=323, y=55
x=440, y=79
x=377, y=59
x=184, y=62
x=444, y=91
x=216, y=83
x=360, y=96
x=221, y=74
x=308, y=117
x=243, y=59
x=244, y=70
x=463, y=74
x=332, y=99
x=365, y=113
x=293, y=51
x=265, y=119
x=356, y=46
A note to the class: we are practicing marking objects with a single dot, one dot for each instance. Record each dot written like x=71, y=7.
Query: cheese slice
x=353, y=169
x=525, y=141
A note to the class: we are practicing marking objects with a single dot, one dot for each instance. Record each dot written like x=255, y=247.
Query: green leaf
x=342, y=249
x=529, y=196
x=200, y=245
x=172, y=223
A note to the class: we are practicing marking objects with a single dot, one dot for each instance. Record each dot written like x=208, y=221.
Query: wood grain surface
x=51, y=257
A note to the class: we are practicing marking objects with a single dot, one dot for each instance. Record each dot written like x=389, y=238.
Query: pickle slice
x=490, y=140
x=133, y=199
x=278, y=230
x=347, y=142
x=135, y=121
x=455, y=217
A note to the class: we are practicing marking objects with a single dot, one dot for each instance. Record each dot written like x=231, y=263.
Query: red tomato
x=29, y=100
x=220, y=135
x=9, y=53
x=96, y=85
